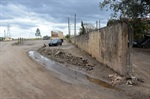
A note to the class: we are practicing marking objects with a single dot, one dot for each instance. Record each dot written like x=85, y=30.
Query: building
x=57, y=34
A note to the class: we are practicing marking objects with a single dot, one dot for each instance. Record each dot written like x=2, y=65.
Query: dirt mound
x=62, y=56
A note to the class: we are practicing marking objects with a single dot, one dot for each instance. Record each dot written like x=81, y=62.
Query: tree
x=67, y=36
x=86, y=27
x=38, y=33
x=133, y=10
x=82, y=29
x=127, y=8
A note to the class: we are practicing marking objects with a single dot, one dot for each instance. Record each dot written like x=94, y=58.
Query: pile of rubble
x=133, y=80
x=61, y=56
x=115, y=79
x=129, y=80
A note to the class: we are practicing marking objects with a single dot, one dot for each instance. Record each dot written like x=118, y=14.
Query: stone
x=58, y=52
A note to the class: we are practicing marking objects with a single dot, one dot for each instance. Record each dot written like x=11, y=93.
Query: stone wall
x=108, y=45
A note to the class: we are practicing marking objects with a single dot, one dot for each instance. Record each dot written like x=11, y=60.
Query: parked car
x=46, y=37
x=144, y=42
x=55, y=42
x=141, y=43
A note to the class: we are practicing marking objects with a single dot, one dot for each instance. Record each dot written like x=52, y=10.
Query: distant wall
x=108, y=45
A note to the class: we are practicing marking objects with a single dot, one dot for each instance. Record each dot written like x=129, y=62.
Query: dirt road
x=23, y=78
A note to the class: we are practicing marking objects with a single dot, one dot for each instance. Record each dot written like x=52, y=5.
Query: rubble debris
x=114, y=79
x=59, y=52
x=133, y=80
x=61, y=56
x=44, y=45
x=129, y=80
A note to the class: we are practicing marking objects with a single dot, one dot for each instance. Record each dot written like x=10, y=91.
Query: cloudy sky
x=25, y=16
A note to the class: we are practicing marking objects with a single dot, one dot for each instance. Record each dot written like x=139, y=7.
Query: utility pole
x=8, y=31
x=75, y=25
x=96, y=24
x=69, y=27
x=4, y=34
x=99, y=24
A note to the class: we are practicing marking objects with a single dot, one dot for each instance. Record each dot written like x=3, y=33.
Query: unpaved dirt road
x=23, y=78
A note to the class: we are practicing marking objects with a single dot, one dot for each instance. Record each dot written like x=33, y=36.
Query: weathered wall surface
x=108, y=45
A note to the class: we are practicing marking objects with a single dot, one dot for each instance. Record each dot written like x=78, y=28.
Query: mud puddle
x=67, y=74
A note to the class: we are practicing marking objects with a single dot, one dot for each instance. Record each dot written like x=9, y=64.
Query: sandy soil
x=23, y=78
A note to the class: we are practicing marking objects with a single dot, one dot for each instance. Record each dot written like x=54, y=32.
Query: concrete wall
x=109, y=46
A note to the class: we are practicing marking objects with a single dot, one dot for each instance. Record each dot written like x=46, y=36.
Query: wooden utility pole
x=8, y=31
x=75, y=25
x=99, y=24
x=96, y=24
x=69, y=27
x=4, y=34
